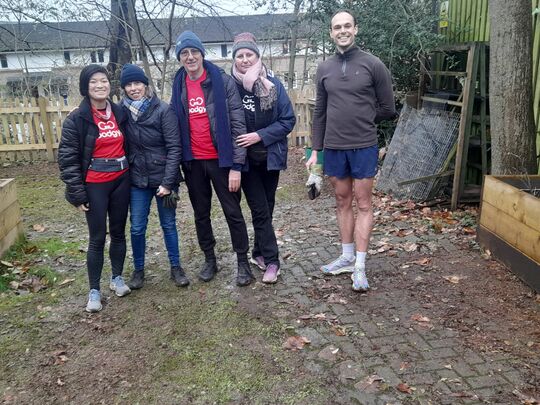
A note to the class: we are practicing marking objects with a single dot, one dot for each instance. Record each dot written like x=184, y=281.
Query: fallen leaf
x=411, y=247
x=370, y=383
x=525, y=399
x=295, y=343
x=7, y=264
x=404, y=366
x=66, y=281
x=469, y=231
x=403, y=387
x=38, y=228
x=339, y=330
x=420, y=318
x=14, y=285
x=421, y=262
x=60, y=382
x=454, y=279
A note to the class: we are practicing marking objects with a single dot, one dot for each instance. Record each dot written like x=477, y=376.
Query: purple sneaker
x=259, y=262
x=271, y=274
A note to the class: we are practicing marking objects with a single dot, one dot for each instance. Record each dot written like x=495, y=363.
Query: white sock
x=360, y=259
x=347, y=250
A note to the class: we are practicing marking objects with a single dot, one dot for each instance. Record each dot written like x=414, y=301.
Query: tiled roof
x=94, y=34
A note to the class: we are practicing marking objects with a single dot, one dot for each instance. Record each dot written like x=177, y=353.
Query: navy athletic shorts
x=356, y=163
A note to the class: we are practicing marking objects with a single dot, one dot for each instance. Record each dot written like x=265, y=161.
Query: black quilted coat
x=79, y=134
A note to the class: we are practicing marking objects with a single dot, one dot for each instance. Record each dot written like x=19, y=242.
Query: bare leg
x=364, y=219
x=344, y=211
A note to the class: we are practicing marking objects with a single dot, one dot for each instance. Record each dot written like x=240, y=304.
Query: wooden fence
x=30, y=128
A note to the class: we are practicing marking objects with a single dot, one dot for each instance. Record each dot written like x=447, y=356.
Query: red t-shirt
x=109, y=144
x=199, y=124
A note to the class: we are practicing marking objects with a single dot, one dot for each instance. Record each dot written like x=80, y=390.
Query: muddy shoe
x=119, y=287
x=209, y=271
x=137, y=280
x=179, y=277
x=94, y=301
x=259, y=262
x=271, y=274
x=245, y=276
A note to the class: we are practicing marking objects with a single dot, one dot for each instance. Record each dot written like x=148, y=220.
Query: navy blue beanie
x=188, y=39
x=132, y=73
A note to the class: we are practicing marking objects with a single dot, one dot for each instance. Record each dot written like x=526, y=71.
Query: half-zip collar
x=344, y=57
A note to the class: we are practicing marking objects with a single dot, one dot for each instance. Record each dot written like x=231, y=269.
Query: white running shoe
x=359, y=280
x=341, y=265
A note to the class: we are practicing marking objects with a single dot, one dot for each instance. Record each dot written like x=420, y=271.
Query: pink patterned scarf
x=256, y=82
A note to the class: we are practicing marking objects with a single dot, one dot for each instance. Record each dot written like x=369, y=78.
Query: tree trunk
x=120, y=49
x=292, y=48
x=513, y=148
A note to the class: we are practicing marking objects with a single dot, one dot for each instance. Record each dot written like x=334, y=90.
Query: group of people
x=227, y=133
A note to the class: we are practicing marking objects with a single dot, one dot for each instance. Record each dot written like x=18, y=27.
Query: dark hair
x=86, y=74
x=343, y=10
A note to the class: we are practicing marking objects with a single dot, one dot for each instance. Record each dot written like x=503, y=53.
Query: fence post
x=42, y=102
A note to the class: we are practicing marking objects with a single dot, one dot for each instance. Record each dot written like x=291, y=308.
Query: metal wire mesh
x=420, y=146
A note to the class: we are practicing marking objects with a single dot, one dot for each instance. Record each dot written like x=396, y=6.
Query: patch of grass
x=215, y=353
x=26, y=258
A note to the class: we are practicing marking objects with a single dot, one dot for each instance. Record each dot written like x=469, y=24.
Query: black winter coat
x=155, y=150
x=79, y=134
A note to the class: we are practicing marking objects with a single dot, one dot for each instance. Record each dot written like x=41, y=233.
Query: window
x=3, y=61
x=165, y=54
x=224, y=51
x=306, y=77
x=285, y=49
x=67, y=58
x=101, y=56
x=93, y=56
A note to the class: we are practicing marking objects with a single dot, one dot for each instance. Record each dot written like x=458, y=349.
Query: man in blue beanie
x=211, y=117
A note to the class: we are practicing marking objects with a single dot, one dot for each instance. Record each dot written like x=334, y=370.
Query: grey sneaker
x=359, y=280
x=340, y=265
x=119, y=287
x=94, y=301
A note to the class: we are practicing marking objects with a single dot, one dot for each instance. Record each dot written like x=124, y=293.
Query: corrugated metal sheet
x=468, y=20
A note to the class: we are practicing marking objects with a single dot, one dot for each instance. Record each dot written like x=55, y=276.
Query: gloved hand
x=314, y=182
x=171, y=200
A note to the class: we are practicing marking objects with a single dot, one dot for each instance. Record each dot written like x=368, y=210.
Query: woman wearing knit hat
x=269, y=119
x=154, y=159
x=94, y=166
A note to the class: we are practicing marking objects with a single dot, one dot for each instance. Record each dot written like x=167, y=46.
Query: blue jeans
x=141, y=199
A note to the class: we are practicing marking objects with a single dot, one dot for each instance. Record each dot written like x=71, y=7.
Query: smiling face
x=244, y=59
x=192, y=60
x=99, y=87
x=343, y=31
x=135, y=90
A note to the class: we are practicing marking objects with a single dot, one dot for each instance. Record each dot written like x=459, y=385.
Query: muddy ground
x=443, y=323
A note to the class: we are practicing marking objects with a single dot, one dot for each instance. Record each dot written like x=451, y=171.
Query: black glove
x=171, y=200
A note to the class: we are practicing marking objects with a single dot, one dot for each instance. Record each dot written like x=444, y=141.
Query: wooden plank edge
x=521, y=265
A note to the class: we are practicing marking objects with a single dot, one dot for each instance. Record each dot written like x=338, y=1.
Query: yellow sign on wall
x=443, y=15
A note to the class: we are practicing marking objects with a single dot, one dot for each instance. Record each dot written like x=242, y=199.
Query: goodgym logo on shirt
x=249, y=103
x=107, y=130
x=196, y=105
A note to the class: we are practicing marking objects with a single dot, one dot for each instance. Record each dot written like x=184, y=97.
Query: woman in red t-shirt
x=93, y=164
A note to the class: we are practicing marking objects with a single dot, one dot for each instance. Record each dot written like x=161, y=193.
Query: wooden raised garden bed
x=510, y=224
x=10, y=215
